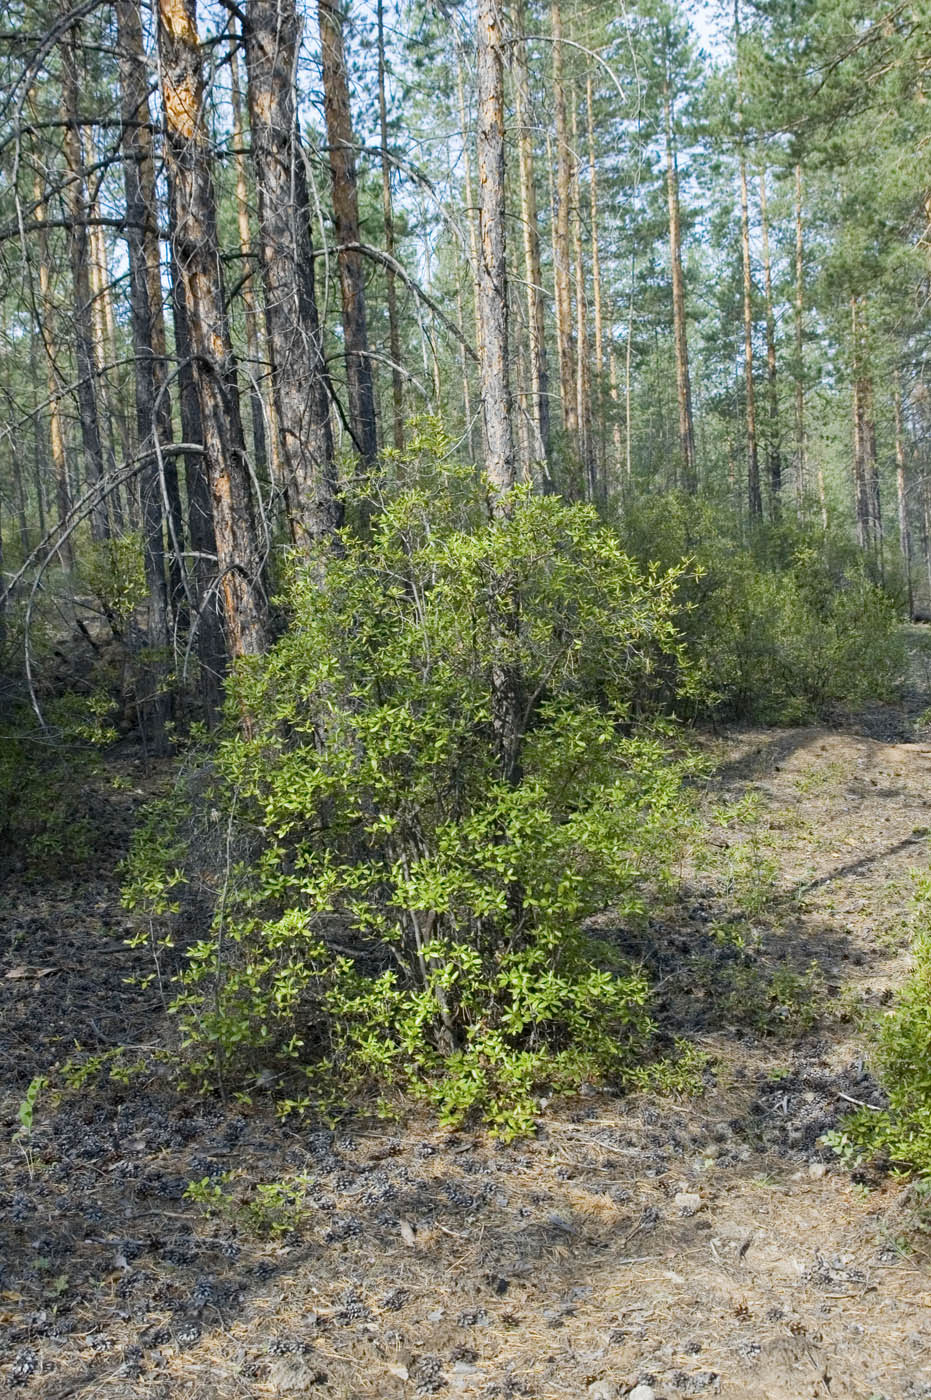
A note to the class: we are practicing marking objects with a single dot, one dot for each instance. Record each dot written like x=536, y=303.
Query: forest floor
x=709, y=1245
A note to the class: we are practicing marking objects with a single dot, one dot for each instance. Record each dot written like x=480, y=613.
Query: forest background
x=477, y=399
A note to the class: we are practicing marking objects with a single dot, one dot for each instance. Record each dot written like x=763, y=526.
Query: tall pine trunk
x=300, y=385
x=500, y=463
x=774, y=443
x=346, y=218
x=197, y=258
x=533, y=276
x=754, y=494
x=561, y=240
x=150, y=426
x=680, y=337
x=79, y=254
x=247, y=281
x=391, y=296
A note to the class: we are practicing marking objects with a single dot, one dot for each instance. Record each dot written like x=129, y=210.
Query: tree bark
x=680, y=336
x=492, y=281
x=533, y=276
x=52, y=379
x=247, y=282
x=905, y=538
x=196, y=252
x=496, y=395
x=300, y=385
x=754, y=494
x=596, y=276
x=150, y=424
x=774, y=444
x=800, y=352
x=208, y=631
x=346, y=217
x=561, y=239
x=394, y=335
x=583, y=395
x=80, y=275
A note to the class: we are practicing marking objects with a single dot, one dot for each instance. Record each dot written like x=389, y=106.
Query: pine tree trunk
x=596, y=280
x=472, y=221
x=496, y=394
x=196, y=252
x=754, y=494
x=533, y=276
x=300, y=387
x=774, y=444
x=346, y=217
x=800, y=351
x=683, y=379
x=582, y=365
x=80, y=276
x=134, y=115
x=394, y=335
x=247, y=282
x=52, y=379
x=905, y=538
x=561, y=240
x=208, y=630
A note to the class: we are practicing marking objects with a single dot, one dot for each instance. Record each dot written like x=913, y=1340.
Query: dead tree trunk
x=346, y=217
x=394, y=335
x=295, y=340
x=680, y=336
x=150, y=425
x=754, y=494
x=500, y=463
x=536, y=330
x=80, y=275
x=561, y=240
x=247, y=282
x=905, y=538
x=774, y=444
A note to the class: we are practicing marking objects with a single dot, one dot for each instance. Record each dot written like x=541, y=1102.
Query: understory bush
x=785, y=627
x=394, y=910
x=900, y=1133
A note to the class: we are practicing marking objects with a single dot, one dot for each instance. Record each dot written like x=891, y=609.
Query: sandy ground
x=703, y=1246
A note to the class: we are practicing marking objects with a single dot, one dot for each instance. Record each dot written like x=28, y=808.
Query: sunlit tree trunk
x=500, y=463
x=247, y=282
x=75, y=201
x=596, y=274
x=754, y=494
x=394, y=335
x=150, y=426
x=680, y=337
x=48, y=325
x=561, y=238
x=346, y=217
x=295, y=339
x=800, y=353
x=583, y=396
x=533, y=276
x=774, y=444
x=209, y=633
x=901, y=484
x=197, y=257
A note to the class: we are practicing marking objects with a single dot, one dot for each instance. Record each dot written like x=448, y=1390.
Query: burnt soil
x=416, y=1261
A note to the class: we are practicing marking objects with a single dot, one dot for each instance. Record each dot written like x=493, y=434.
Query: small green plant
x=210, y=1194
x=900, y=1134
x=26, y=1115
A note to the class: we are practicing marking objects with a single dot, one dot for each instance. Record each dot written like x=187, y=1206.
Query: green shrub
x=784, y=627
x=901, y=1133
x=398, y=913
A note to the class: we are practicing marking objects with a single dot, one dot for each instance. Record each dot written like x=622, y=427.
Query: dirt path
x=697, y=1247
